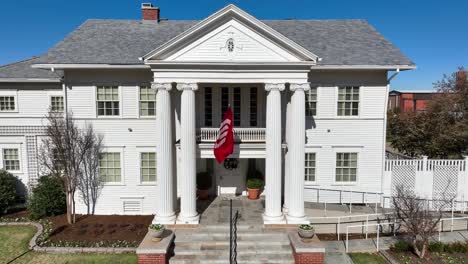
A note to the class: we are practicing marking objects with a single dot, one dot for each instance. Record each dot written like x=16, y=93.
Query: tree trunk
x=69, y=212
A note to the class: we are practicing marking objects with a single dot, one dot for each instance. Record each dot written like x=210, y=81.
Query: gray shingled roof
x=23, y=70
x=337, y=42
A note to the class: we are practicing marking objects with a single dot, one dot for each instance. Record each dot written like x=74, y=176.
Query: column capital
x=187, y=86
x=161, y=86
x=299, y=86
x=275, y=86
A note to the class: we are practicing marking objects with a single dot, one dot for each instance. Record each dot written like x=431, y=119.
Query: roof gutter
x=393, y=75
x=54, y=67
x=364, y=67
x=28, y=80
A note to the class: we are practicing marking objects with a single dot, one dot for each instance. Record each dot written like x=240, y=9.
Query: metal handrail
x=232, y=234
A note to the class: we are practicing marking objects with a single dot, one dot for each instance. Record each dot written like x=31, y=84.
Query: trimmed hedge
x=7, y=190
x=47, y=199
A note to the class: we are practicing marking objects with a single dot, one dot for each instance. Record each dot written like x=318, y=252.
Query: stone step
x=242, y=249
x=225, y=237
x=248, y=259
x=225, y=228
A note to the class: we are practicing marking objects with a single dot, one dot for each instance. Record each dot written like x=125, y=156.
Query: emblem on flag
x=224, y=145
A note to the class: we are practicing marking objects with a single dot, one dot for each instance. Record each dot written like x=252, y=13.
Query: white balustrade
x=253, y=134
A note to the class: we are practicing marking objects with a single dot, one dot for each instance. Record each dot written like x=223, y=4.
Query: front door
x=230, y=181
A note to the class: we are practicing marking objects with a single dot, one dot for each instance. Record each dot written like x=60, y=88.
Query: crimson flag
x=225, y=142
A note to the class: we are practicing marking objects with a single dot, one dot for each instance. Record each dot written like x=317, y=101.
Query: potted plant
x=157, y=231
x=306, y=231
x=253, y=188
x=203, y=185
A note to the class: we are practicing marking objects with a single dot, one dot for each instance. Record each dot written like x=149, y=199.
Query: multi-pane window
x=11, y=160
x=109, y=167
x=148, y=166
x=253, y=107
x=346, y=167
x=108, y=101
x=224, y=99
x=147, y=101
x=56, y=103
x=237, y=106
x=309, y=167
x=348, y=101
x=7, y=103
x=208, y=106
x=311, y=102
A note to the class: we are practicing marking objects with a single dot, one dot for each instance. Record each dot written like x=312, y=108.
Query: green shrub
x=402, y=246
x=47, y=199
x=7, y=190
x=203, y=180
x=436, y=247
x=456, y=247
x=254, y=183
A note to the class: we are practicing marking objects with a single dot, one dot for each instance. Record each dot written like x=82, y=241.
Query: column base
x=188, y=220
x=297, y=220
x=285, y=210
x=273, y=220
x=166, y=220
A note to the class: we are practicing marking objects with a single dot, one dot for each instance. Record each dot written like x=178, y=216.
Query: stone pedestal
x=311, y=251
x=150, y=252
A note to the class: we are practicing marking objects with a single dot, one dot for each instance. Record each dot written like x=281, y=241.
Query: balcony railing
x=243, y=135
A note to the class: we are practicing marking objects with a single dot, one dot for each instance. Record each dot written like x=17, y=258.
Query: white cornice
x=363, y=67
x=28, y=80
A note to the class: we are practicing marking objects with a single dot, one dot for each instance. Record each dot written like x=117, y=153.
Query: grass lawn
x=367, y=258
x=14, y=242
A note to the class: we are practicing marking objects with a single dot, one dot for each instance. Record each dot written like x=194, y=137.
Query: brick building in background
x=411, y=100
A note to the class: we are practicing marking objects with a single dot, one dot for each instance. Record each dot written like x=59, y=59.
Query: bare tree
x=418, y=218
x=64, y=149
x=90, y=183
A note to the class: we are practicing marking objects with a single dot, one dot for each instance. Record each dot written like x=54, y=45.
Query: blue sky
x=434, y=34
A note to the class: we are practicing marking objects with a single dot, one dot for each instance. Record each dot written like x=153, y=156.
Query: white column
x=296, y=154
x=273, y=214
x=188, y=199
x=165, y=213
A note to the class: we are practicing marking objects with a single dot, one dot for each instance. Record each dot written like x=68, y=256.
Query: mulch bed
x=429, y=257
x=95, y=228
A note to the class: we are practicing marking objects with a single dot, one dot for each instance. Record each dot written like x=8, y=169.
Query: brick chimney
x=150, y=12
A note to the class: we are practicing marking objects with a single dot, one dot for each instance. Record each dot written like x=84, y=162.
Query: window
x=237, y=106
x=346, y=167
x=11, y=160
x=108, y=101
x=7, y=103
x=148, y=166
x=311, y=102
x=309, y=167
x=253, y=106
x=109, y=167
x=147, y=101
x=208, y=107
x=348, y=101
x=56, y=103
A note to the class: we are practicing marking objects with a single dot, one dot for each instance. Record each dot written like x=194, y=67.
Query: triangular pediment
x=231, y=35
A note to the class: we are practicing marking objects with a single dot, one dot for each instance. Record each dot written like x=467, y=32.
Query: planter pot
x=306, y=233
x=156, y=233
x=203, y=194
x=253, y=194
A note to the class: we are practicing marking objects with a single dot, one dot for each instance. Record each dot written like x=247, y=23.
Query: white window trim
x=17, y=146
x=317, y=114
x=121, y=151
x=139, y=101
x=119, y=88
x=13, y=94
x=360, y=103
x=339, y=149
x=140, y=179
x=312, y=183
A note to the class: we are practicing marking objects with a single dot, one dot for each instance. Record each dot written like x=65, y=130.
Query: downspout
x=65, y=99
x=384, y=139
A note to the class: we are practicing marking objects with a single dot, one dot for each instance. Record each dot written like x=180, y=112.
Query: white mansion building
x=309, y=100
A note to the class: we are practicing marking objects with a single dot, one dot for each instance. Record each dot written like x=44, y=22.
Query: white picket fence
x=429, y=178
